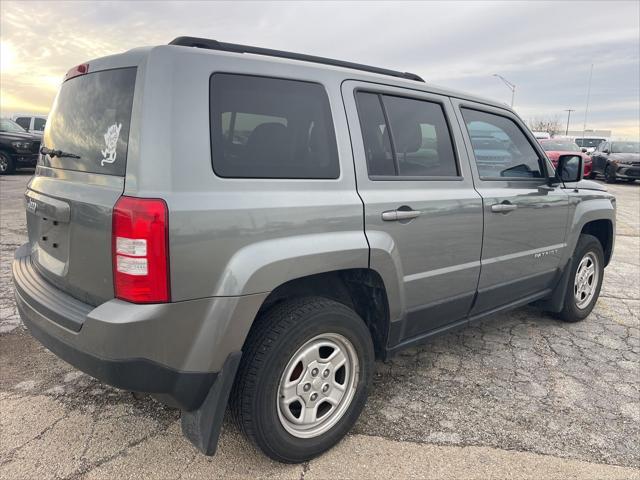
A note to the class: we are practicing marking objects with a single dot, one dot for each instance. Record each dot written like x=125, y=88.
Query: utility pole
x=568, y=110
x=508, y=84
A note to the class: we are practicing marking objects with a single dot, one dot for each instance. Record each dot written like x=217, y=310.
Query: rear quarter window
x=264, y=127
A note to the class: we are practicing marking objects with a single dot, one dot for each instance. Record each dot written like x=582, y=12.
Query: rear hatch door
x=70, y=200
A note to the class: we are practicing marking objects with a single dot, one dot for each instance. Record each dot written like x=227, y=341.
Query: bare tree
x=552, y=126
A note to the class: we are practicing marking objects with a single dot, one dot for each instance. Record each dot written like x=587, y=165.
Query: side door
x=599, y=158
x=420, y=209
x=525, y=219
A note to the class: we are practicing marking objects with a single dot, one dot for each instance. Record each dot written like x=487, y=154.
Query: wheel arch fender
x=589, y=212
x=262, y=266
x=257, y=269
x=385, y=260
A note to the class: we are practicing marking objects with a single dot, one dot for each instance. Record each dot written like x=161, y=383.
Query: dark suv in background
x=18, y=148
x=616, y=161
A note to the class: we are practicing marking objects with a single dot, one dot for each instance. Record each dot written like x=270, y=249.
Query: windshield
x=589, y=142
x=625, y=147
x=90, y=119
x=560, y=146
x=7, y=125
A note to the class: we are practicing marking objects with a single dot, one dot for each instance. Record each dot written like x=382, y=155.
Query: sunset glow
x=545, y=50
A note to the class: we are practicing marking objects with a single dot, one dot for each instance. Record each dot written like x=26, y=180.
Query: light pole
x=586, y=110
x=568, y=110
x=508, y=84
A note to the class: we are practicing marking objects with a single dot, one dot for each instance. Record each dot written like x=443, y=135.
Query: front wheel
x=585, y=279
x=304, y=378
x=6, y=164
x=609, y=174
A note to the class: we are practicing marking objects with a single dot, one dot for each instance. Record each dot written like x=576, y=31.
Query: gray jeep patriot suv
x=214, y=223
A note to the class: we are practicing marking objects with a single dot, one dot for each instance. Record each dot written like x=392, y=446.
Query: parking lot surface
x=517, y=395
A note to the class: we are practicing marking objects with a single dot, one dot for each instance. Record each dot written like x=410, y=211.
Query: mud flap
x=202, y=426
x=555, y=302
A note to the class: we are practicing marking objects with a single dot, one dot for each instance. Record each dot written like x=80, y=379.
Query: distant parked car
x=31, y=123
x=617, y=161
x=590, y=143
x=541, y=135
x=18, y=148
x=556, y=147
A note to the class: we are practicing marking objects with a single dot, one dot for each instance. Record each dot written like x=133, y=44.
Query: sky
x=545, y=49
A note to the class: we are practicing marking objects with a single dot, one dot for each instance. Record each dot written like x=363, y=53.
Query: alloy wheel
x=317, y=385
x=586, y=280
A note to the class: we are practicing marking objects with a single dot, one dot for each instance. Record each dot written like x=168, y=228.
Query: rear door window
x=500, y=147
x=405, y=137
x=91, y=118
x=264, y=127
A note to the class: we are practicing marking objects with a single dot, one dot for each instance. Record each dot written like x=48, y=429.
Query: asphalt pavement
x=518, y=395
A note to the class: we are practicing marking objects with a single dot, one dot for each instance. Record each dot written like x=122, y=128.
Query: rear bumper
x=173, y=351
x=184, y=390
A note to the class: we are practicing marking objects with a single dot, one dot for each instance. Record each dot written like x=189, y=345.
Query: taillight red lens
x=140, y=246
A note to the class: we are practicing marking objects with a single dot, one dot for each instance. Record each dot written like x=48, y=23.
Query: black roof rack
x=232, y=47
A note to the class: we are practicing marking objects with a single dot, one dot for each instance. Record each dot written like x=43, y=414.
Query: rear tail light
x=141, y=250
x=78, y=70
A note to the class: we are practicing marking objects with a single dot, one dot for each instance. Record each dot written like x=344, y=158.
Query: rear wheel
x=304, y=378
x=6, y=164
x=592, y=175
x=585, y=280
x=609, y=174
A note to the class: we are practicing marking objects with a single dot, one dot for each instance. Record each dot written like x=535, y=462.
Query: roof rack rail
x=232, y=47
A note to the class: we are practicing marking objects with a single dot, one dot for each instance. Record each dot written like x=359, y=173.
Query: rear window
x=559, y=146
x=271, y=128
x=589, y=142
x=91, y=118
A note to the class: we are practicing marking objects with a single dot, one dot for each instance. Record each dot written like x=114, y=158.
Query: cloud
x=546, y=49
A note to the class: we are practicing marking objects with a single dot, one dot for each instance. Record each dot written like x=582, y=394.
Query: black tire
x=276, y=338
x=631, y=180
x=7, y=166
x=571, y=312
x=609, y=175
x=592, y=175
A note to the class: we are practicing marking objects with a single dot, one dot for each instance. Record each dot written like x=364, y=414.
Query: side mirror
x=583, y=150
x=606, y=151
x=570, y=168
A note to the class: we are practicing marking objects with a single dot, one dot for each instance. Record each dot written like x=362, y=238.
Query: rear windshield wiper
x=57, y=153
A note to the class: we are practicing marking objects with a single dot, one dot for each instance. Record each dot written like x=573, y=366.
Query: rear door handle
x=503, y=207
x=395, y=215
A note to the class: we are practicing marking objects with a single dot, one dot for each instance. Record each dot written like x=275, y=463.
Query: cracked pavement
x=517, y=395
